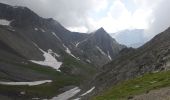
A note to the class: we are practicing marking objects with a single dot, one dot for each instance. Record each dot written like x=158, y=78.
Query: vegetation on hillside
x=129, y=88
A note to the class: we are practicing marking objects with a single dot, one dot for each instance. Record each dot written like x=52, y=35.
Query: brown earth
x=160, y=94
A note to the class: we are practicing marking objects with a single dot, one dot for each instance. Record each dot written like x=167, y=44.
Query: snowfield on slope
x=89, y=91
x=67, y=50
x=53, y=33
x=26, y=83
x=101, y=51
x=4, y=22
x=50, y=59
x=109, y=55
x=68, y=94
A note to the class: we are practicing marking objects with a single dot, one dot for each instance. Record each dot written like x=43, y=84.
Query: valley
x=42, y=60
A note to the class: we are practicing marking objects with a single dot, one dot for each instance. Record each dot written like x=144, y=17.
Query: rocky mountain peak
x=102, y=35
x=19, y=16
x=101, y=31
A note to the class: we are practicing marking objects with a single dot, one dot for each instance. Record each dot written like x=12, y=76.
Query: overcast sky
x=112, y=15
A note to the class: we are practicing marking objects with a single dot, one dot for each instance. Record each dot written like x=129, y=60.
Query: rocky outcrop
x=153, y=56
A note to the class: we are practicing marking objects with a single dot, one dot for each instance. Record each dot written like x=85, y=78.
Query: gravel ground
x=161, y=94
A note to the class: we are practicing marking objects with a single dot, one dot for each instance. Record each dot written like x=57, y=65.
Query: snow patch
x=67, y=50
x=88, y=60
x=56, y=36
x=50, y=59
x=68, y=94
x=43, y=30
x=53, y=53
x=36, y=29
x=11, y=29
x=109, y=55
x=26, y=83
x=77, y=44
x=77, y=99
x=101, y=51
x=4, y=22
x=35, y=98
x=23, y=93
x=87, y=92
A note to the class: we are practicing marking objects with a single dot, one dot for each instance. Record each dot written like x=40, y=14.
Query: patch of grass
x=47, y=90
x=82, y=69
x=59, y=79
x=44, y=91
x=136, y=86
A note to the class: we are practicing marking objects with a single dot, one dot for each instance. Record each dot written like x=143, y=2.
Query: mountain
x=100, y=47
x=34, y=48
x=52, y=33
x=132, y=38
x=152, y=57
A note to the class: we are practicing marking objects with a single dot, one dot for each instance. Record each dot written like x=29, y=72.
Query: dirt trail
x=160, y=94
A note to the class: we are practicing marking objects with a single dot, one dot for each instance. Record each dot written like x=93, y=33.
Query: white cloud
x=70, y=13
x=161, y=16
x=119, y=18
x=118, y=9
x=147, y=3
x=115, y=19
x=141, y=18
x=78, y=29
x=78, y=15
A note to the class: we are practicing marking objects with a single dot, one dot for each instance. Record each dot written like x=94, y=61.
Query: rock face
x=100, y=47
x=153, y=56
x=28, y=37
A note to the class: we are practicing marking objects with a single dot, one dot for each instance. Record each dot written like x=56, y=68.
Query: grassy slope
x=83, y=70
x=46, y=90
x=136, y=86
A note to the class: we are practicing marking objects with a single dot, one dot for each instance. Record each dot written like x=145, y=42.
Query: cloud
x=161, y=19
x=76, y=14
x=78, y=29
x=119, y=18
x=115, y=19
x=70, y=13
x=150, y=15
x=113, y=15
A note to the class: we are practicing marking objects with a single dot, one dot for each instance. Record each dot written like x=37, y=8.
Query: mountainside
x=100, y=47
x=34, y=48
x=34, y=39
x=154, y=56
x=47, y=32
x=150, y=86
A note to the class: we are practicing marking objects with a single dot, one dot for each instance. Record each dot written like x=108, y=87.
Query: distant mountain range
x=35, y=48
x=152, y=57
x=131, y=38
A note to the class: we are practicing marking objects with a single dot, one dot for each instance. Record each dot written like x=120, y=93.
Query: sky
x=113, y=15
